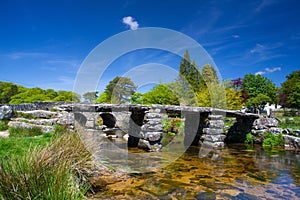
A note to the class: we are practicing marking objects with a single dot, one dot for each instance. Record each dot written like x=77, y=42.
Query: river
x=236, y=172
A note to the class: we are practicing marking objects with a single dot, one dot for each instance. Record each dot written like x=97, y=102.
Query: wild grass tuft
x=57, y=171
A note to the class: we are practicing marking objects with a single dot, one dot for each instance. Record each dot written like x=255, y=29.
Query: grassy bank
x=47, y=166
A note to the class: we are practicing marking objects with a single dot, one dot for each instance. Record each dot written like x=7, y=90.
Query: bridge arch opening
x=109, y=120
x=80, y=118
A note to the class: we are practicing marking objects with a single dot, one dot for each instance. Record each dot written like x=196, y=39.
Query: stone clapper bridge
x=204, y=125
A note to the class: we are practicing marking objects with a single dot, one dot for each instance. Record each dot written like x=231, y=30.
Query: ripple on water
x=238, y=173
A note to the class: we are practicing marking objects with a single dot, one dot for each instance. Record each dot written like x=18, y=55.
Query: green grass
x=286, y=123
x=51, y=170
x=3, y=125
x=24, y=132
x=20, y=146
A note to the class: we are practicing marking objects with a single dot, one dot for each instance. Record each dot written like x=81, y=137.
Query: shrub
x=58, y=171
x=172, y=125
x=273, y=141
x=167, y=138
x=24, y=132
x=249, y=138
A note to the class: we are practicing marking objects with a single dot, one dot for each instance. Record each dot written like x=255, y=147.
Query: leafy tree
x=260, y=90
x=203, y=97
x=7, y=91
x=90, y=96
x=118, y=90
x=51, y=94
x=234, y=100
x=189, y=71
x=211, y=92
x=160, y=94
x=103, y=98
x=258, y=84
x=183, y=91
x=136, y=98
x=291, y=89
x=67, y=96
x=258, y=102
x=209, y=74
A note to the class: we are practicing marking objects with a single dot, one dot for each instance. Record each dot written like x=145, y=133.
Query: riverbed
x=236, y=172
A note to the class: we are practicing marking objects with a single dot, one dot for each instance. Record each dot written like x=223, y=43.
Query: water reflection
x=236, y=172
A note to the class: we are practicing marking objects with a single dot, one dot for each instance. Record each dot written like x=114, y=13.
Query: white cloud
x=21, y=55
x=258, y=48
x=260, y=73
x=131, y=22
x=236, y=36
x=274, y=69
x=268, y=70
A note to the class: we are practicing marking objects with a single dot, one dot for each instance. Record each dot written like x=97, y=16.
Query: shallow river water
x=236, y=172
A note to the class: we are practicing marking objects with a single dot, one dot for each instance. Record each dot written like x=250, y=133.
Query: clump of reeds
x=57, y=171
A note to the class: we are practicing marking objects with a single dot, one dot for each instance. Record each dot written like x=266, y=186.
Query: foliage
x=57, y=171
x=260, y=90
x=25, y=115
x=7, y=90
x=189, y=71
x=285, y=122
x=203, y=97
x=183, y=91
x=258, y=102
x=167, y=138
x=136, y=98
x=118, y=90
x=90, y=96
x=249, y=139
x=258, y=84
x=291, y=88
x=3, y=125
x=273, y=141
x=19, y=146
x=160, y=94
x=29, y=95
x=103, y=98
x=172, y=125
x=24, y=132
x=234, y=100
x=209, y=74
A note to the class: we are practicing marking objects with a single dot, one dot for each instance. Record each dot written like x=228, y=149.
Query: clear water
x=236, y=172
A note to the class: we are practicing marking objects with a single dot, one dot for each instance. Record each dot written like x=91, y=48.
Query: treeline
x=16, y=94
x=193, y=87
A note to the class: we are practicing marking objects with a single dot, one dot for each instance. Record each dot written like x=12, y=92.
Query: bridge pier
x=214, y=137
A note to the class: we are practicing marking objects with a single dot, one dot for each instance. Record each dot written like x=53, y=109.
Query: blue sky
x=43, y=43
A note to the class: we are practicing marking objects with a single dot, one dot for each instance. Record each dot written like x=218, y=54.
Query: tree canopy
x=291, y=90
x=260, y=90
x=15, y=94
x=118, y=90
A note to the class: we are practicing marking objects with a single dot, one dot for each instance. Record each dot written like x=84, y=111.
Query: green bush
x=249, y=138
x=273, y=141
x=172, y=125
x=3, y=125
x=24, y=132
x=167, y=138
